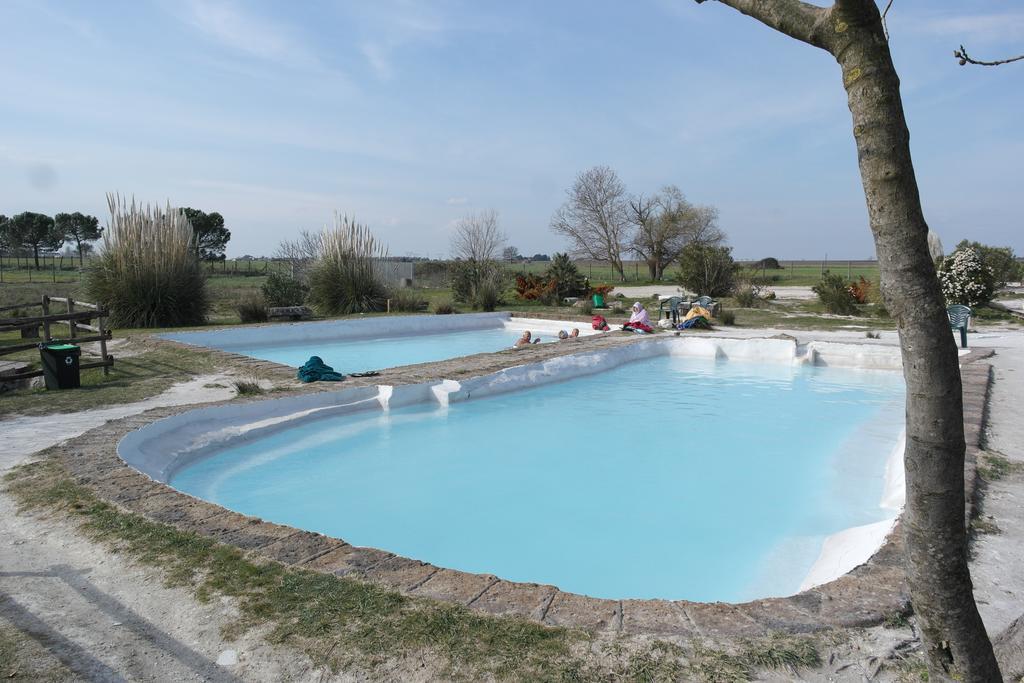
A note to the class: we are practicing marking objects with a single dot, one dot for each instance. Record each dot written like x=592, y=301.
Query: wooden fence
x=77, y=317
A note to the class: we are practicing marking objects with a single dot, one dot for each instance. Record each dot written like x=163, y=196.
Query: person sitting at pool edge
x=639, y=315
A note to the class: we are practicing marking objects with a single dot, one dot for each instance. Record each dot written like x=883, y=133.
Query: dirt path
x=106, y=621
x=27, y=434
x=103, y=619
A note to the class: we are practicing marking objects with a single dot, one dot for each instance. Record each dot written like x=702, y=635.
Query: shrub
x=727, y=317
x=1004, y=265
x=586, y=307
x=861, y=290
x=488, y=292
x=444, y=308
x=480, y=284
x=750, y=292
x=252, y=310
x=745, y=297
x=343, y=279
x=769, y=263
x=248, y=387
x=833, y=291
x=284, y=290
x=565, y=277
x=148, y=273
x=530, y=287
x=407, y=301
x=603, y=290
x=707, y=270
x=965, y=279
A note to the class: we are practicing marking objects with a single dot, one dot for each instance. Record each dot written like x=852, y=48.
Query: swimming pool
x=665, y=476
x=376, y=343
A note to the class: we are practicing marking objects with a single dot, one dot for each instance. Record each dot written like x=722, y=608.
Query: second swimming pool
x=376, y=343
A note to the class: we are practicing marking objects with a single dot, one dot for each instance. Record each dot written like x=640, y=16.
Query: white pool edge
x=845, y=550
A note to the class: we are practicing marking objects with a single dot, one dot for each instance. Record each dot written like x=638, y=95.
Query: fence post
x=72, y=324
x=46, y=323
x=102, y=325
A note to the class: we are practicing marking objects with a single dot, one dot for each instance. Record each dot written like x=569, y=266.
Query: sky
x=411, y=115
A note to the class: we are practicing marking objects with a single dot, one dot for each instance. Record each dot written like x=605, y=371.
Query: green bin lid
x=61, y=347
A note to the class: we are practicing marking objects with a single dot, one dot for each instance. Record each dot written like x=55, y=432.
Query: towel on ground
x=315, y=370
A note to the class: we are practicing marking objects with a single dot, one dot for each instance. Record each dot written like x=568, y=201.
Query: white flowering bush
x=965, y=278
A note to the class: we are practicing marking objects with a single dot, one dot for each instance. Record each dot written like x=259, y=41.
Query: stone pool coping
x=866, y=596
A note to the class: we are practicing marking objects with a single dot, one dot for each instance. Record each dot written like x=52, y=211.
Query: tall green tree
x=78, y=227
x=210, y=235
x=853, y=33
x=34, y=231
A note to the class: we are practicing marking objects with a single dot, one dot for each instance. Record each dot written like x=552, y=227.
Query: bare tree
x=301, y=252
x=478, y=237
x=933, y=520
x=665, y=224
x=595, y=217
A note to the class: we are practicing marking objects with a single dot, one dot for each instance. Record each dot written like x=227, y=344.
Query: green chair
x=672, y=303
x=959, y=319
x=706, y=302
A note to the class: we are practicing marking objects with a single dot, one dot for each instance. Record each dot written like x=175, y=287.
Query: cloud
x=80, y=27
x=989, y=28
x=456, y=201
x=232, y=27
x=390, y=27
x=378, y=58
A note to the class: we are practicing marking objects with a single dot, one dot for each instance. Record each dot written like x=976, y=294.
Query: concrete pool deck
x=873, y=591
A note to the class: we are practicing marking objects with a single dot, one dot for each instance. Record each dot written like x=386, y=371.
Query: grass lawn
x=154, y=369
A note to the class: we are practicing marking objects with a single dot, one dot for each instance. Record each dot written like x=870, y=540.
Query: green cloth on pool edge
x=315, y=370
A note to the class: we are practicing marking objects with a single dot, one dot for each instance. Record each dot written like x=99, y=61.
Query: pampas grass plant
x=148, y=273
x=344, y=278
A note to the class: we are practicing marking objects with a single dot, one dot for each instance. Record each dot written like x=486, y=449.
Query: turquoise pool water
x=672, y=477
x=357, y=355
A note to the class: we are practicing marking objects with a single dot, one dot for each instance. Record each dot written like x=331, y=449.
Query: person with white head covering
x=639, y=315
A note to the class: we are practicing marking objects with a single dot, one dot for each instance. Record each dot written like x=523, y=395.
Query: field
x=798, y=273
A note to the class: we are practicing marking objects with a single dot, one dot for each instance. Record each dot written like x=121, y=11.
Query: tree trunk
x=81, y=259
x=933, y=519
x=940, y=581
x=35, y=253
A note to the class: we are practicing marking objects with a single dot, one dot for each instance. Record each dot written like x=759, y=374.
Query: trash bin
x=599, y=301
x=61, y=365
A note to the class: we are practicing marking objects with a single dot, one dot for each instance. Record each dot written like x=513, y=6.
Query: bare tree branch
x=965, y=59
x=796, y=19
x=478, y=238
x=885, y=12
